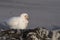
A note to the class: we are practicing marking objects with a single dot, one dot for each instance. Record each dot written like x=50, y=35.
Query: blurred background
x=41, y=12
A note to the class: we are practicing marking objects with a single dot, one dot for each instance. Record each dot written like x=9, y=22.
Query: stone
x=38, y=33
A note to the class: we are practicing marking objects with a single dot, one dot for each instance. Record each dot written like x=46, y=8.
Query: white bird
x=20, y=22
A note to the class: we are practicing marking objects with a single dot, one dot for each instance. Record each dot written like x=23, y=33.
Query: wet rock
x=30, y=34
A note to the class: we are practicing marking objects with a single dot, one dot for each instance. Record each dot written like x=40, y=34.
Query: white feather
x=18, y=22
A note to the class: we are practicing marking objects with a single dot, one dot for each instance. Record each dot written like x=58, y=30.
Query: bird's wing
x=13, y=21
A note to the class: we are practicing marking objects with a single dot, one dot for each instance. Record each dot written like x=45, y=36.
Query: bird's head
x=25, y=15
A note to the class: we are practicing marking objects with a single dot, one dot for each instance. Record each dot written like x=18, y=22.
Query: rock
x=30, y=34
x=11, y=35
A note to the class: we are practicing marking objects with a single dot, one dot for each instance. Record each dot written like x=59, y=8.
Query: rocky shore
x=38, y=33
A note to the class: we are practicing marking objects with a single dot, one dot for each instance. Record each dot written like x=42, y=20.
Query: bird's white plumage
x=20, y=22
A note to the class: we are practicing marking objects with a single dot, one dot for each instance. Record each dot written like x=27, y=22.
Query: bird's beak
x=27, y=17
